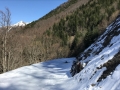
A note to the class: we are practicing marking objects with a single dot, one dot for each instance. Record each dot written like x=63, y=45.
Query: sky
x=29, y=10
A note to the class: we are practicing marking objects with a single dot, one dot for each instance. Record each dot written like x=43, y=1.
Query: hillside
x=102, y=61
x=64, y=32
x=101, y=70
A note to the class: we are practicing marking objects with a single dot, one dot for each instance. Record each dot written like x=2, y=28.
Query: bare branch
x=2, y=19
x=5, y=18
x=8, y=15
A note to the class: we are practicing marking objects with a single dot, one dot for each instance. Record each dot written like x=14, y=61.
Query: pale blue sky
x=29, y=10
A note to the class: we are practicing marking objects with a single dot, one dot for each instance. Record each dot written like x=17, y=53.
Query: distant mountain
x=20, y=23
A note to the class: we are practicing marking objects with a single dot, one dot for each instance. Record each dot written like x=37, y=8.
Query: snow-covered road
x=42, y=76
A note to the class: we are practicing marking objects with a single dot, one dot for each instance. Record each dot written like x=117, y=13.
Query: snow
x=20, y=23
x=41, y=76
x=54, y=75
x=112, y=82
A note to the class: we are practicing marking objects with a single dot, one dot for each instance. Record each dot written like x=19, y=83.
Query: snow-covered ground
x=47, y=75
x=54, y=75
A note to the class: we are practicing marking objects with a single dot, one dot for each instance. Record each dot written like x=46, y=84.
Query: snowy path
x=42, y=76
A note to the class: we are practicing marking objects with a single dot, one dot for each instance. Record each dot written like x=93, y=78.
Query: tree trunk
x=3, y=60
x=4, y=54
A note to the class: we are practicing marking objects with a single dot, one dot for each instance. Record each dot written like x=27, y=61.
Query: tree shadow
x=46, y=74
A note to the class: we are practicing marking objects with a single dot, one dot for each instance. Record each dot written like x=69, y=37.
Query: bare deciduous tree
x=5, y=18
